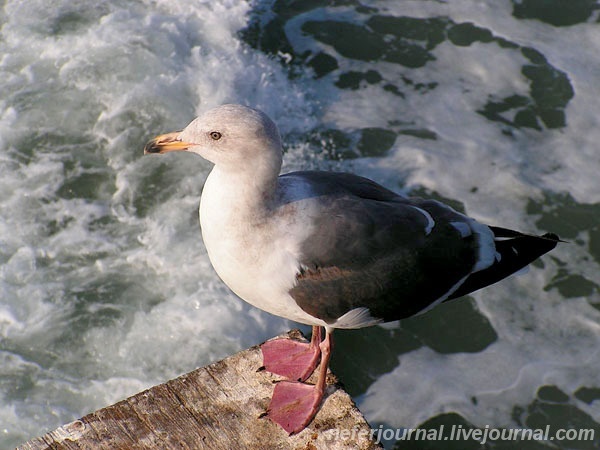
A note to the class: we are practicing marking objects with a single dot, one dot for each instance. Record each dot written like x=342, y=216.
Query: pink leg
x=294, y=404
x=292, y=359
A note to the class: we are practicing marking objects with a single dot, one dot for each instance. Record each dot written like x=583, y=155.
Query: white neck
x=234, y=206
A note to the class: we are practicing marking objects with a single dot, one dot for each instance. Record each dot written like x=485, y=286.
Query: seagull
x=327, y=249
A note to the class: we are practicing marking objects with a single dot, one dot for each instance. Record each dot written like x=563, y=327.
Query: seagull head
x=229, y=136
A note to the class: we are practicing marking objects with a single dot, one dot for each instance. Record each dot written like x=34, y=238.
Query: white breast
x=257, y=259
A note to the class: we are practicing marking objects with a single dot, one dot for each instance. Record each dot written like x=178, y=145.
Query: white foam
x=106, y=298
x=506, y=373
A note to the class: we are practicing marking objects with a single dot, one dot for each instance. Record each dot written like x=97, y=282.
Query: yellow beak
x=166, y=143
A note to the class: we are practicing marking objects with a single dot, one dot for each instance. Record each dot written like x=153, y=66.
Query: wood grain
x=214, y=407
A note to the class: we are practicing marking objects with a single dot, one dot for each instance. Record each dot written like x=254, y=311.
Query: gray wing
x=374, y=249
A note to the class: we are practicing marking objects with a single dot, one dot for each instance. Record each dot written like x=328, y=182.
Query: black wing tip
x=500, y=232
x=517, y=250
x=553, y=237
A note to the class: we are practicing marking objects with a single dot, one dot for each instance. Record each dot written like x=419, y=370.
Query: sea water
x=105, y=285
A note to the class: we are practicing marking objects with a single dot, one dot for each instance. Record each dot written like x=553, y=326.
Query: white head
x=233, y=137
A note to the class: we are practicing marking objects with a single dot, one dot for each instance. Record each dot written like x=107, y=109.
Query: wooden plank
x=214, y=407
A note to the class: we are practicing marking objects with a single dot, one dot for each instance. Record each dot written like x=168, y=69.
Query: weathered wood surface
x=214, y=407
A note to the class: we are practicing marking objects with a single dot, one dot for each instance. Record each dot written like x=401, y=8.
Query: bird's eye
x=215, y=135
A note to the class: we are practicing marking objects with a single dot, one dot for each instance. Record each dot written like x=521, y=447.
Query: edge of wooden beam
x=214, y=407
